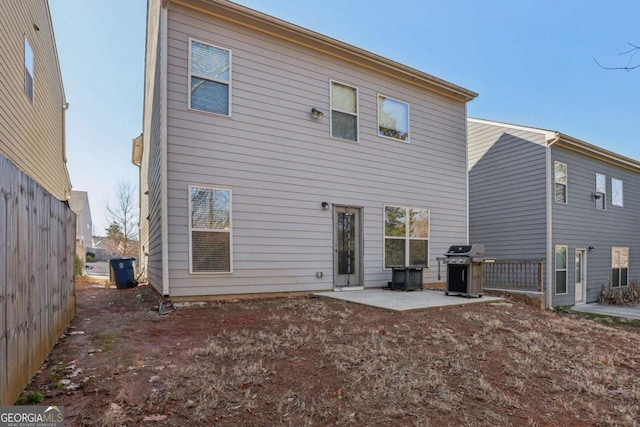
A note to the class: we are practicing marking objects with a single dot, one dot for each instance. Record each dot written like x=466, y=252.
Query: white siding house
x=79, y=204
x=276, y=159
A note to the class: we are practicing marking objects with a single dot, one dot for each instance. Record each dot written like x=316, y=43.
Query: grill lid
x=476, y=250
x=459, y=250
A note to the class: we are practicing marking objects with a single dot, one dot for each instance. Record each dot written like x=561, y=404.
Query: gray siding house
x=276, y=159
x=540, y=194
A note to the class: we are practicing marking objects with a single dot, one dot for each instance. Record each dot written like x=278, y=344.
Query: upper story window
x=28, y=70
x=601, y=192
x=209, y=78
x=560, y=182
x=616, y=192
x=393, y=118
x=209, y=230
x=344, y=111
x=406, y=237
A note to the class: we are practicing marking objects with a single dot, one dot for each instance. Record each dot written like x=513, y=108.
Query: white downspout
x=466, y=151
x=550, y=248
x=164, y=204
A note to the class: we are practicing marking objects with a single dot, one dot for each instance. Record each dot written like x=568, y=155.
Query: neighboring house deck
x=541, y=194
x=276, y=159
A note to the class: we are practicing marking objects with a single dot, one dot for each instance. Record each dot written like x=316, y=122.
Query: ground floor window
x=619, y=267
x=406, y=237
x=561, y=269
x=209, y=230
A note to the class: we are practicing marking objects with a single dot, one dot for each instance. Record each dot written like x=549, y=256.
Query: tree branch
x=631, y=52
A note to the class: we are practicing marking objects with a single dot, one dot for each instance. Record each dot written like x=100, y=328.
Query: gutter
x=550, y=247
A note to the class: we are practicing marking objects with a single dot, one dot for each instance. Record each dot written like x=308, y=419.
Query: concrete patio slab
x=609, y=310
x=404, y=301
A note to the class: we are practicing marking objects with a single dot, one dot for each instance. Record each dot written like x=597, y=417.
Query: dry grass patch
x=336, y=366
x=317, y=362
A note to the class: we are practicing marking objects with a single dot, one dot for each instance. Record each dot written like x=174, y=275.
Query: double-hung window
x=28, y=70
x=209, y=78
x=561, y=269
x=209, y=230
x=406, y=237
x=619, y=267
x=344, y=111
x=560, y=182
x=601, y=192
x=616, y=192
x=393, y=118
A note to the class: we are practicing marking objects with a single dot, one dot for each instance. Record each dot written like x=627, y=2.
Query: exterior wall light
x=317, y=114
x=325, y=206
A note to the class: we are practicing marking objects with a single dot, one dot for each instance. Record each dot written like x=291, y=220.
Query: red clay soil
x=316, y=361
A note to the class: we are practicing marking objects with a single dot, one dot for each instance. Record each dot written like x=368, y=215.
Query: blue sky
x=532, y=62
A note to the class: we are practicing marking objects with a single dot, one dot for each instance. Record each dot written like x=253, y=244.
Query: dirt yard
x=316, y=361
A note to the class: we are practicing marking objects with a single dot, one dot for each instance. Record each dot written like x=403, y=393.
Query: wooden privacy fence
x=37, y=291
x=514, y=274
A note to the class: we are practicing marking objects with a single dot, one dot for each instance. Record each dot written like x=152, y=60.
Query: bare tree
x=632, y=63
x=123, y=230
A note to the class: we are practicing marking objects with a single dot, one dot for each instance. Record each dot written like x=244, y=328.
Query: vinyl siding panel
x=281, y=164
x=507, y=193
x=32, y=134
x=151, y=167
x=579, y=225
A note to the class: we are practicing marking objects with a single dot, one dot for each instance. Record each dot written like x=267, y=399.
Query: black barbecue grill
x=464, y=270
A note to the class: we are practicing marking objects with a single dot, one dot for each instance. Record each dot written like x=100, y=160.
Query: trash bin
x=123, y=272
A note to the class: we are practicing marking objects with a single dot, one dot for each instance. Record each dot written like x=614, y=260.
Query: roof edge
x=596, y=152
x=549, y=134
x=559, y=139
x=262, y=22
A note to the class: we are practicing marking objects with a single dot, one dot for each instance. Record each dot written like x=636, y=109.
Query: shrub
x=30, y=398
x=79, y=265
x=91, y=256
x=620, y=296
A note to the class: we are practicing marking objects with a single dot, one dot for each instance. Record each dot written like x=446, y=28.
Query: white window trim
x=565, y=269
x=613, y=250
x=331, y=109
x=190, y=74
x=191, y=229
x=566, y=185
x=603, y=193
x=613, y=202
x=378, y=118
x=406, y=237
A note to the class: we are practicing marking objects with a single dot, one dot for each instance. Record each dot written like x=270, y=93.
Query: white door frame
x=580, y=292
